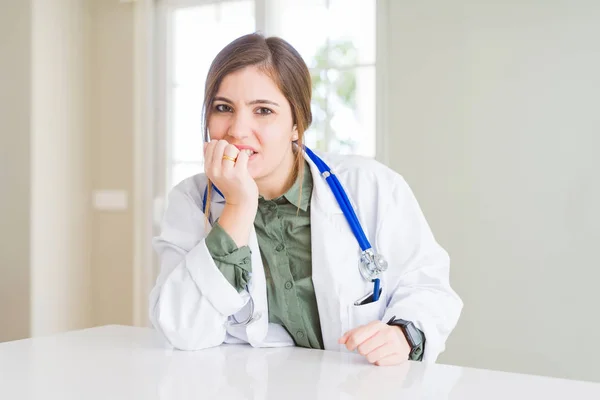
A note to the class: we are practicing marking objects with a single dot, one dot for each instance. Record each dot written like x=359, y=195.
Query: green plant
x=333, y=86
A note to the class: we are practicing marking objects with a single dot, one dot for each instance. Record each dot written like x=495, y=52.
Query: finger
x=349, y=333
x=242, y=161
x=219, y=151
x=361, y=334
x=217, y=157
x=344, y=338
x=208, y=154
x=230, y=152
x=369, y=345
x=392, y=359
x=381, y=352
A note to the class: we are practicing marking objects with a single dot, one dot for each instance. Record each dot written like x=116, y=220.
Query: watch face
x=413, y=335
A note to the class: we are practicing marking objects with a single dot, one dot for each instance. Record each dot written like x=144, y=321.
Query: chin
x=258, y=173
x=256, y=168
x=255, y=171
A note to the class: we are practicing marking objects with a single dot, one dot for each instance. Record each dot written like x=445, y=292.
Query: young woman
x=267, y=246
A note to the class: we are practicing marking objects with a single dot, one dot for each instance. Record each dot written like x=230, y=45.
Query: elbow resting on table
x=185, y=333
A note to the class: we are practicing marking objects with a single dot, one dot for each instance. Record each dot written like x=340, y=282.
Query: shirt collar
x=293, y=194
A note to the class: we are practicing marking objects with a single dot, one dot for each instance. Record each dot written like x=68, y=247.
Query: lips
x=247, y=150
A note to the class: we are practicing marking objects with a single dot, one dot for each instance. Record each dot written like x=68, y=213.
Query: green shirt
x=283, y=232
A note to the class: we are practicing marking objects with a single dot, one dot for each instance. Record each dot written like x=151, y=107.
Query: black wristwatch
x=414, y=337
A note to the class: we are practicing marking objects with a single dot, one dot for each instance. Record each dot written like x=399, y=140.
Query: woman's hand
x=237, y=185
x=231, y=177
x=380, y=343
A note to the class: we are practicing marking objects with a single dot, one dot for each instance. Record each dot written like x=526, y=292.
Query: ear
x=295, y=133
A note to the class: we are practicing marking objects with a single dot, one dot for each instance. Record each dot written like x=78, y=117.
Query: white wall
x=44, y=168
x=66, y=128
x=60, y=181
x=15, y=115
x=112, y=131
x=494, y=121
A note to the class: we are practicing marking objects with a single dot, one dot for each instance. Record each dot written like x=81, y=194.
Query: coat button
x=279, y=247
x=300, y=334
x=289, y=285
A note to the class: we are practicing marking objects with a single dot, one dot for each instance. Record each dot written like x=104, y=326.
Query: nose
x=241, y=126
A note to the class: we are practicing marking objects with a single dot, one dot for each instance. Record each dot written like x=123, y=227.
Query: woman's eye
x=264, y=111
x=223, y=108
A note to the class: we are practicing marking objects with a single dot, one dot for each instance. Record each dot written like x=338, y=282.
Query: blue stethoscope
x=372, y=265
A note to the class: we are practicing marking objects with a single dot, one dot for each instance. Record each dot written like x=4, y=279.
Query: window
x=194, y=36
x=336, y=38
x=339, y=49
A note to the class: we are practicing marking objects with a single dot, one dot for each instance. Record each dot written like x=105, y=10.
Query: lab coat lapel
x=334, y=251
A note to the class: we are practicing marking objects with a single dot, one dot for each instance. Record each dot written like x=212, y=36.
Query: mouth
x=248, y=151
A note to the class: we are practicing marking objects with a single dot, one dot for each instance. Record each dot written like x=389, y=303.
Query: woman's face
x=250, y=112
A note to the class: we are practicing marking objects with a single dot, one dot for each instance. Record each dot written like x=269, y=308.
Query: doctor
x=263, y=249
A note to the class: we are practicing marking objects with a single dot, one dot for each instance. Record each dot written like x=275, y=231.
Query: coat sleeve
x=419, y=268
x=191, y=300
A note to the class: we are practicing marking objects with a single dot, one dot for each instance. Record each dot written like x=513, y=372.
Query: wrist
x=237, y=221
x=242, y=199
x=244, y=211
x=413, y=336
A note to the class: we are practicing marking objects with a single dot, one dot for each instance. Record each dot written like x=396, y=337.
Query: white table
x=116, y=362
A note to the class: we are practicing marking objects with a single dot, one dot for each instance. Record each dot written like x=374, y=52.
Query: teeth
x=249, y=152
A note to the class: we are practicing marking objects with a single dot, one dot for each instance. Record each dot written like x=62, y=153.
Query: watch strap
x=414, y=336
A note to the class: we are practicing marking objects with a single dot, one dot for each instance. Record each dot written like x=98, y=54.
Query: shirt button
x=300, y=334
x=272, y=206
x=289, y=285
x=245, y=261
x=279, y=247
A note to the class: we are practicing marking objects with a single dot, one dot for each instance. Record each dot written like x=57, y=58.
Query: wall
x=493, y=120
x=112, y=121
x=45, y=207
x=15, y=121
x=66, y=128
x=60, y=181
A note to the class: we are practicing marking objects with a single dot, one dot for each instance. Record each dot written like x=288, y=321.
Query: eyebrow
x=250, y=103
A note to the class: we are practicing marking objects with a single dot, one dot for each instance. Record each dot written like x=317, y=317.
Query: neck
x=280, y=180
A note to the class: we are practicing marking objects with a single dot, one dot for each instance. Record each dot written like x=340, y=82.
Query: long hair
x=283, y=64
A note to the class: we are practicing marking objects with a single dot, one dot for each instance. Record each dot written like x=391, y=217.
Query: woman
x=259, y=250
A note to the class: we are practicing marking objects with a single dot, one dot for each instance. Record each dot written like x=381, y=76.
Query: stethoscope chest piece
x=372, y=265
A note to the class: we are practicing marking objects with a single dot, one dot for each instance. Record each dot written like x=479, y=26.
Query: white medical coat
x=192, y=303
